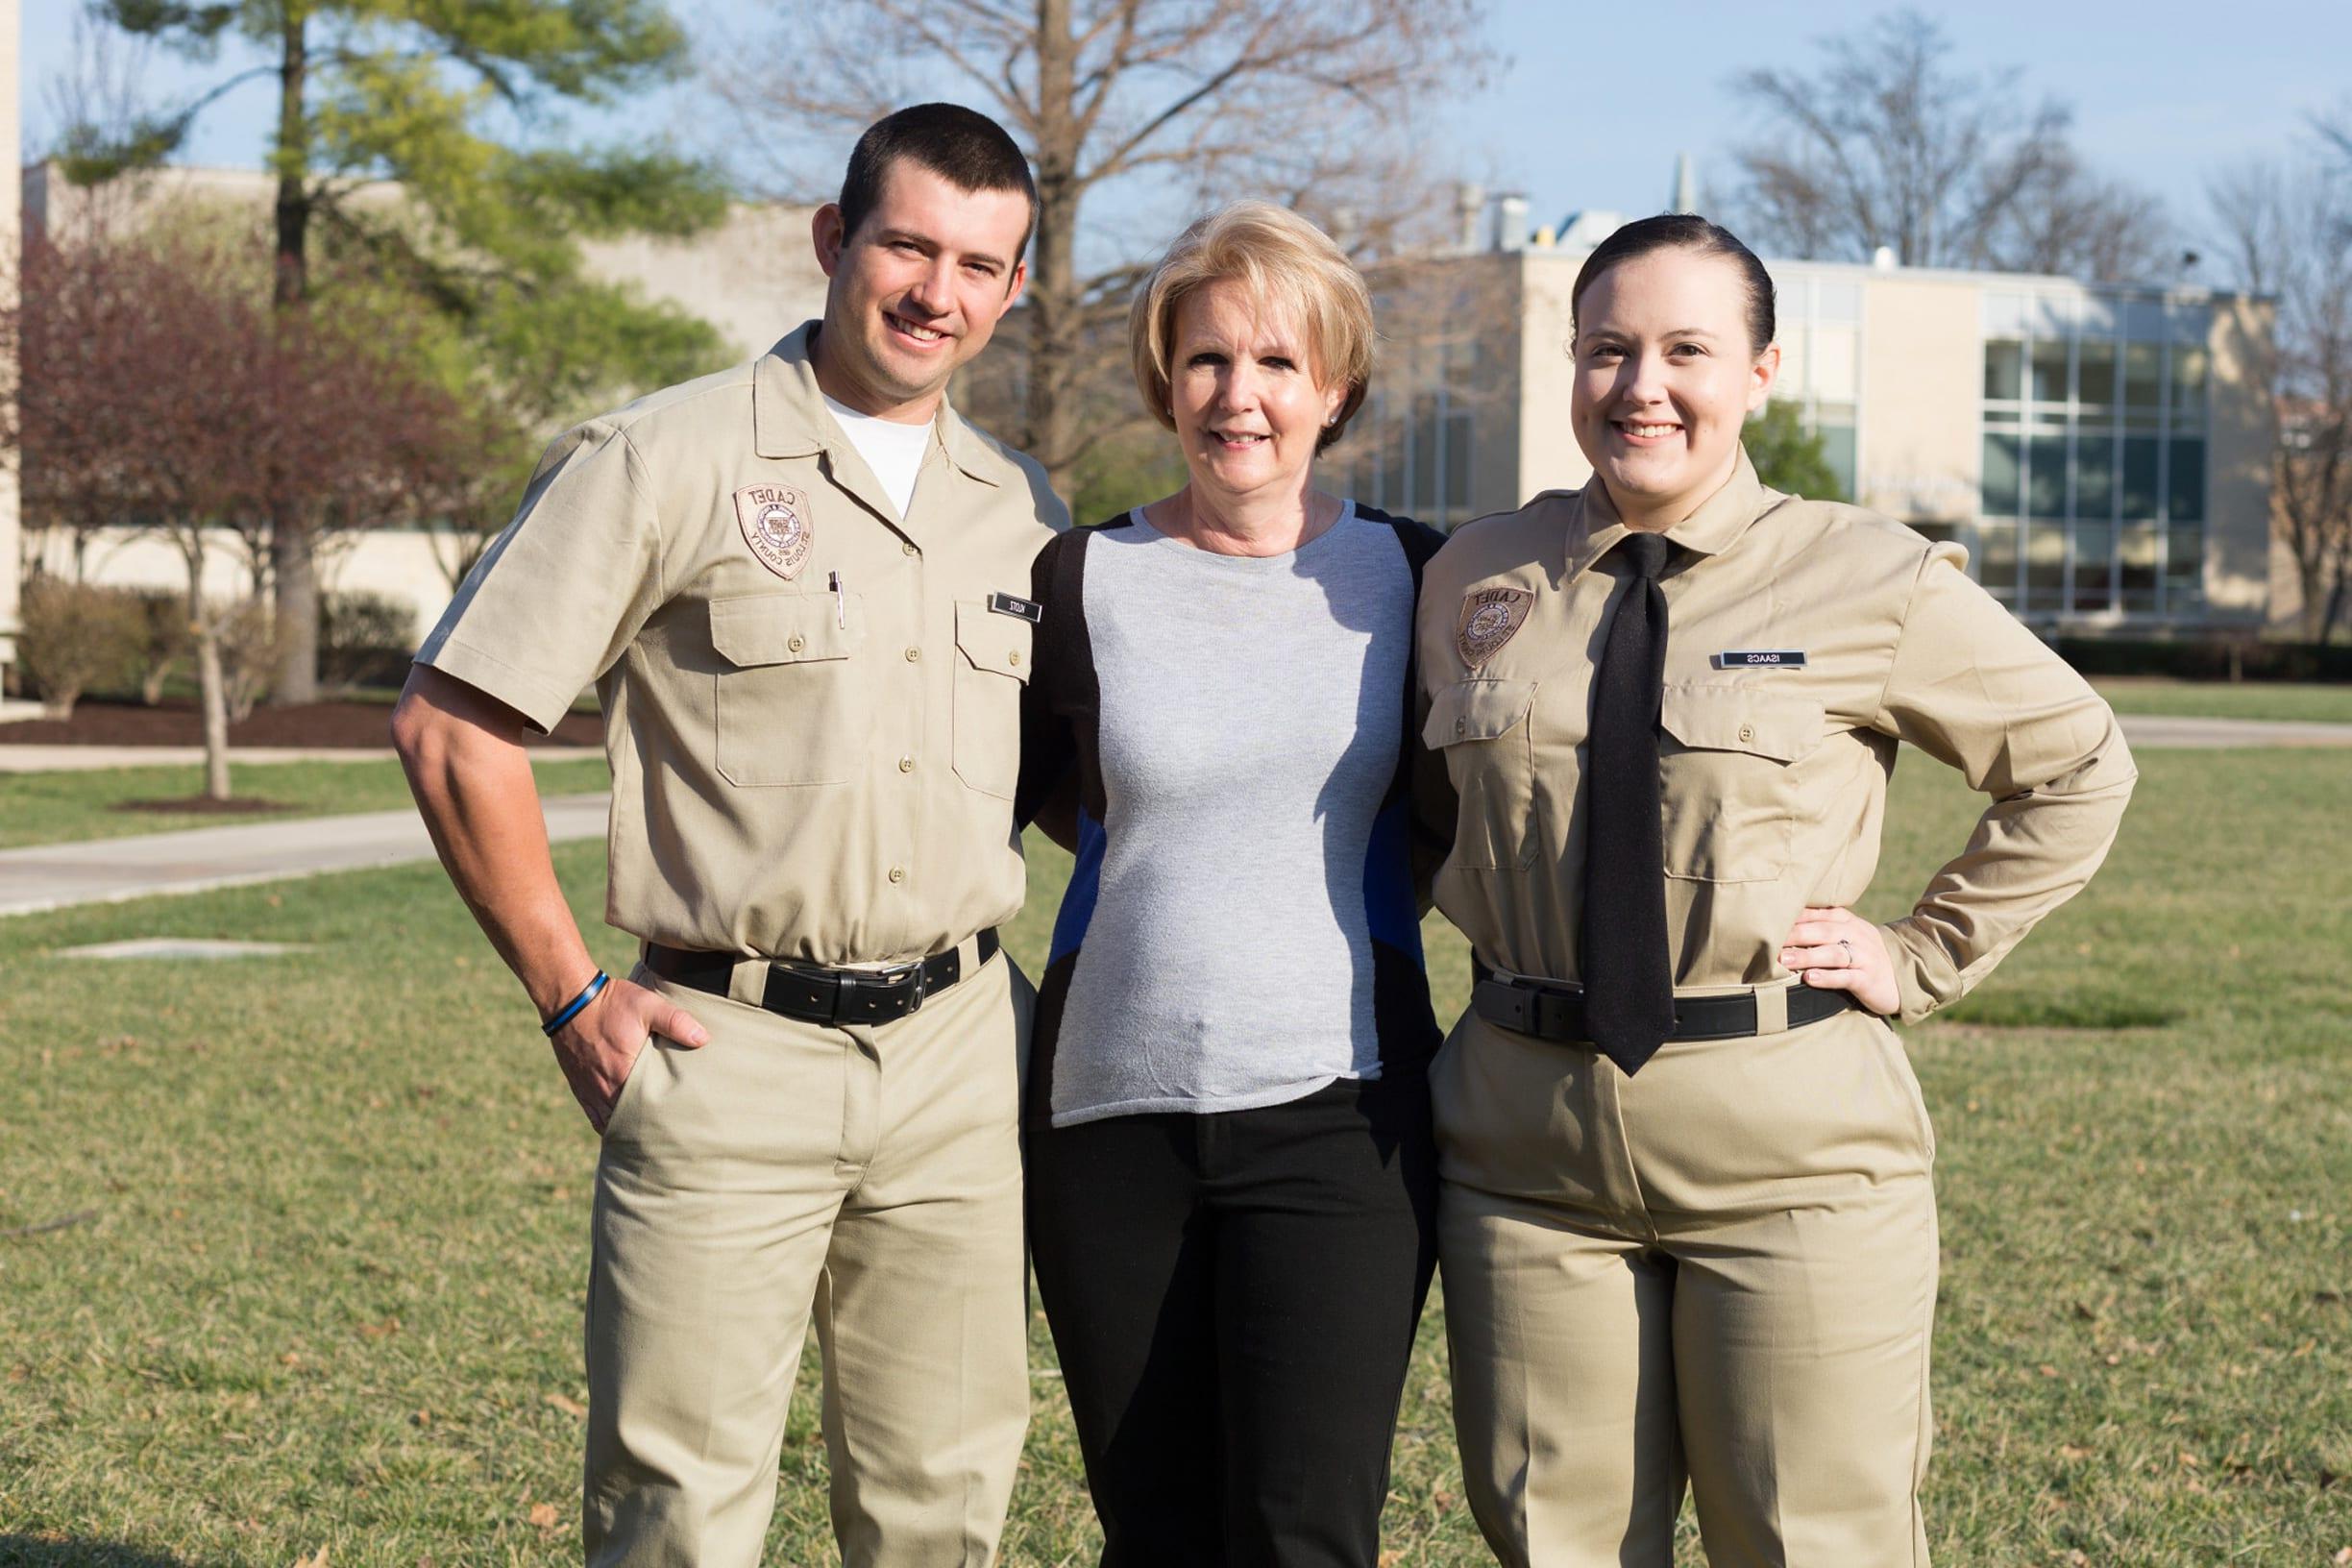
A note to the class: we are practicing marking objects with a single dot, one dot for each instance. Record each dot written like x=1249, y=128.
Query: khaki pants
x=1721, y=1270
x=868, y=1175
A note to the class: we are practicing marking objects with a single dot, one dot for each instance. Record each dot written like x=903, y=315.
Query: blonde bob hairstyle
x=1292, y=269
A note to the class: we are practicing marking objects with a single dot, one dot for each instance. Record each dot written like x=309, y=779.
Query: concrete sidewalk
x=2152, y=732
x=61, y=759
x=110, y=871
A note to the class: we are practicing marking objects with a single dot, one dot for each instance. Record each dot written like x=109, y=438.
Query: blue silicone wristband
x=572, y=1009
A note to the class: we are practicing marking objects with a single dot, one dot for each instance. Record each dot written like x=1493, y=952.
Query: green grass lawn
x=69, y=807
x=328, y=1221
x=2218, y=700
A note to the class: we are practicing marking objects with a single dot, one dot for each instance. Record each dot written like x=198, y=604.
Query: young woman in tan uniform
x=1687, y=1226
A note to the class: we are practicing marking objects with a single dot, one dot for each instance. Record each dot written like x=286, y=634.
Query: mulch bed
x=313, y=726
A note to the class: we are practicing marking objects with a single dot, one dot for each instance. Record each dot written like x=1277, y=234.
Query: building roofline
x=2177, y=293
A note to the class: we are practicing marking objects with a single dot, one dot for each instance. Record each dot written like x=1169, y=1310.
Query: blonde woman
x=1231, y=1180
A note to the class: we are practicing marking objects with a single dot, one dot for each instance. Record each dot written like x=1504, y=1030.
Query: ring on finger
x=1848, y=946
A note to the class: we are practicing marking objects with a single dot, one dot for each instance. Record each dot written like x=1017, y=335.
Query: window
x=2004, y=372
x=2140, y=453
x=2003, y=476
x=2097, y=374
x=2045, y=470
x=2093, y=477
x=2143, y=380
x=2094, y=474
x=2049, y=370
x=2094, y=567
x=2184, y=483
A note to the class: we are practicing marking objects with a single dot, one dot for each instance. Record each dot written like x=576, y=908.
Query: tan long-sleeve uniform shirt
x=812, y=705
x=1805, y=639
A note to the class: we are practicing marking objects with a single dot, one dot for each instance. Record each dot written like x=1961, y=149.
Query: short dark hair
x=961, y=146
x=1686, y=232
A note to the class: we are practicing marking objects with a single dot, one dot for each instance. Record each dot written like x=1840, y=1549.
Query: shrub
x=167, y=639
x=365, y=637
x=249, y=649
x=2212, y=656
x=75, y=636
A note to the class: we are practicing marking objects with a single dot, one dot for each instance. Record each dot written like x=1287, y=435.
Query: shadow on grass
x=81, y=1552
x=2013, y=1009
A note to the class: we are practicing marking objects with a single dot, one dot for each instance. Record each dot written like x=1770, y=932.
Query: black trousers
x=1233, y=1297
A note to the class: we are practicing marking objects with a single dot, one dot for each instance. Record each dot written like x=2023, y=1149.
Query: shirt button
x=1747, y=733
x=906, y=764
x=913, y=654
x=909, y=549
x=796, y=643
x=1462, y=726
x=897, y=874
x=1012, y=657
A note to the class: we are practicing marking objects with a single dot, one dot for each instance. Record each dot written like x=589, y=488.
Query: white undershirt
x=894, y=451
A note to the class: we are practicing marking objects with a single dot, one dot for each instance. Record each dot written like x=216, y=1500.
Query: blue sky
x=1593, y=101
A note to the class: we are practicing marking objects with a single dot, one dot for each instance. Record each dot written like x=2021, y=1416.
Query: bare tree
x=2071, y=221
x=161, y=390
x=1143, y=110
x=2287, y=231
x=1887, y=143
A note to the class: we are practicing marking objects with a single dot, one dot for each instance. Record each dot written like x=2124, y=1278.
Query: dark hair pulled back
x=1684, y=231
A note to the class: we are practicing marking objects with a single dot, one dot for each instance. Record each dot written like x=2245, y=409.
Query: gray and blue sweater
x=1243, y=926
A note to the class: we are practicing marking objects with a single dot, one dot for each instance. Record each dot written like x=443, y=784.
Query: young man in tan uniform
x=811, y=678
x=1708, y=1255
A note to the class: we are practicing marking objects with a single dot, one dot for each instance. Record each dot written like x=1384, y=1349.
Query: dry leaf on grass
x=544, y=1515
x=569, y=1407
x=318, y=1560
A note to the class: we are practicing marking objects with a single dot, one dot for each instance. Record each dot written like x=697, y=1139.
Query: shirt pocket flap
x=1740, y=719
x=1477, y=710
x=992, y=642
x=784, y=628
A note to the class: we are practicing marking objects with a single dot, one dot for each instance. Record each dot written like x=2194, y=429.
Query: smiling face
x=1244, y=391
x=1665, y=378
x=916, y=291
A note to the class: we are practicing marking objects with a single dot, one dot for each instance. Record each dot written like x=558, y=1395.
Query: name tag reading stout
x=1026, y=609
x=1761, y=658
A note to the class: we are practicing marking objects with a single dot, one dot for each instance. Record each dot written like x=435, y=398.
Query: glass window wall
x=2093, y=477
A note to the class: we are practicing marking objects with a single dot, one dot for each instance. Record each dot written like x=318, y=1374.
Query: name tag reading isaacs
x=1761, y=658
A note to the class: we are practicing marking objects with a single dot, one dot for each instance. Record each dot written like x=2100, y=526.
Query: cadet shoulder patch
x=777, y=527
x=1489, y=617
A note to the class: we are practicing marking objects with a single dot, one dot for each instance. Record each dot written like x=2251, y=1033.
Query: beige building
x=754, y=279
x=2103, y=453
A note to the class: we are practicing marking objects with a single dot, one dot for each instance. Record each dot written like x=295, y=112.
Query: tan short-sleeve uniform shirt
x=1806, y=640
x=812, y=706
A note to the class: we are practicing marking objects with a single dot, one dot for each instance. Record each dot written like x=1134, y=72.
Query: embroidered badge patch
x=1489, y=617
x=777, y=527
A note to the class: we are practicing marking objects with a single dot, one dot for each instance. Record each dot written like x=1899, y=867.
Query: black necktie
x=1629, y=979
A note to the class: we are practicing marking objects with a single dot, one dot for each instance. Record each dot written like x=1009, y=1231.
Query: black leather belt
x=1550, y=1012
x=816, y=994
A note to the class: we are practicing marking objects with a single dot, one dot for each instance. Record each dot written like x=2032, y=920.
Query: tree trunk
x=293, y=161
x=294, y=571
x=215, y=711
x=1054, y=286
x=2314, y=616
x=292, y=566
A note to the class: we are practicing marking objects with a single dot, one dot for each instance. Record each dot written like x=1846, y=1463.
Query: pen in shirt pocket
x=840, y=604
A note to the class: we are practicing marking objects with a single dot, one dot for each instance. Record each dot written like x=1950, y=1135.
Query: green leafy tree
x=486, y=233
x=1788, y=457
